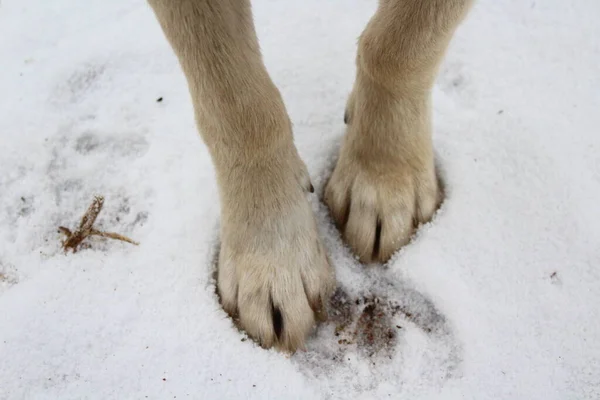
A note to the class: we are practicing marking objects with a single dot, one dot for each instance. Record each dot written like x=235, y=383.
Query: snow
x=498, y=296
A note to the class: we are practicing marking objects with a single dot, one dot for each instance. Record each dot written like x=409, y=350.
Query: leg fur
x=274, y=276
x=384, y=183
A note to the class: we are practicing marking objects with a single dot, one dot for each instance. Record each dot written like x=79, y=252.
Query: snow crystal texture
x=497, y=298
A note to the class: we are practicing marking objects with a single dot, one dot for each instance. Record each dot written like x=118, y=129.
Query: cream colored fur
x=384, y=183
x=274, y=277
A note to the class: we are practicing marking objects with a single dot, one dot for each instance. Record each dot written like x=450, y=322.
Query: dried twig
x=113, y=235
x=86, y=228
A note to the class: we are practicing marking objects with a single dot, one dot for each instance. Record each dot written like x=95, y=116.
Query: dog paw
x=384, y=183
x=274, y=277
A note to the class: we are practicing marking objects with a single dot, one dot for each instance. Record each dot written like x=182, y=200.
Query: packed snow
x=497, y=298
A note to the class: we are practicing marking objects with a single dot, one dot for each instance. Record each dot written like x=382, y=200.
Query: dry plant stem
x=112, y=235
x=86, y=228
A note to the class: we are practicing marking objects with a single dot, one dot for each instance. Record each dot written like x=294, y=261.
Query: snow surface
x=500, y=293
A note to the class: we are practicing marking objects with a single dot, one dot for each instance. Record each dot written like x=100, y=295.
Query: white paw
x=274, y=277
x=378, y=198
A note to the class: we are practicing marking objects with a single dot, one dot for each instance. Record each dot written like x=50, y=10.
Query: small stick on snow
x=86, y=228
x=113, y=235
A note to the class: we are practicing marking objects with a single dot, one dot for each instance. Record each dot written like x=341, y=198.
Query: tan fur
x=274, y=275
x=384, y=183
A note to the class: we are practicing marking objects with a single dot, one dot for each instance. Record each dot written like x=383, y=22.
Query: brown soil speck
x=365, y=321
